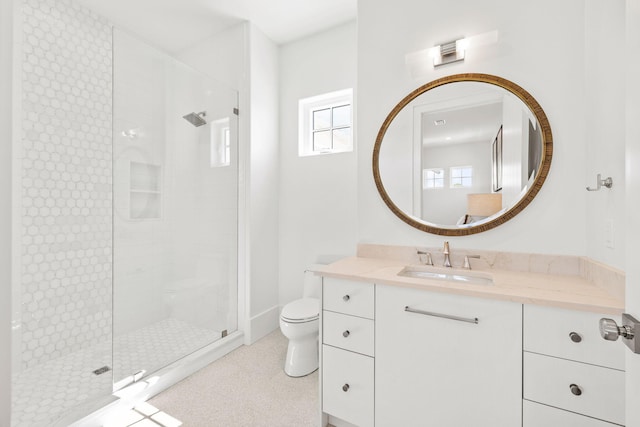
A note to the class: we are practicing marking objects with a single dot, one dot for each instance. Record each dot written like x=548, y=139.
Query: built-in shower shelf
x=145, y=201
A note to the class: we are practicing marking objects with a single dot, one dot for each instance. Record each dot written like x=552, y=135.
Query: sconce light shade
x=449, y=52
x=422, y=61
x=484, y=204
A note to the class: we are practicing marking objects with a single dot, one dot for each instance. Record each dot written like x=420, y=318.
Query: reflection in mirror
x=462, y=156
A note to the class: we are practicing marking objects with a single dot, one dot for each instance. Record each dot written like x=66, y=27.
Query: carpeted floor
x=246, y=388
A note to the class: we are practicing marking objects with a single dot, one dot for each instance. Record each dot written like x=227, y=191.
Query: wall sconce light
x=447, y=53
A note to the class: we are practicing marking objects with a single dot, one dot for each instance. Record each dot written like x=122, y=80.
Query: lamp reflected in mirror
x=482, y=206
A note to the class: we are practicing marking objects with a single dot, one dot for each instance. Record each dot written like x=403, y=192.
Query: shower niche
x=145, y=197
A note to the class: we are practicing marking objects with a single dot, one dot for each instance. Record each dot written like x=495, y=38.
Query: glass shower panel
x=175, y=210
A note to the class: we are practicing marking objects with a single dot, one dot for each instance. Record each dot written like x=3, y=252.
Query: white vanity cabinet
x=572, y=377
x=399, y=356
x=446, y=371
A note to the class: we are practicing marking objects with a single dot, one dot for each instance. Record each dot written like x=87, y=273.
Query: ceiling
x=477, y=123
x=174, y=25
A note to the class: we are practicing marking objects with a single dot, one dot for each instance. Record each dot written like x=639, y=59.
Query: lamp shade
x=483, y=204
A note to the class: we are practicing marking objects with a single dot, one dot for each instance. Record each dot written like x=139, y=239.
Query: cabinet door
x=348, y=386
x=549, y=380
x=570, y=335
x=348, y=297
x=536, y=415
x=433, y=371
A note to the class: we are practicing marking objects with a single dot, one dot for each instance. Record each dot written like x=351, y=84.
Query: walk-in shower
x=126, y=255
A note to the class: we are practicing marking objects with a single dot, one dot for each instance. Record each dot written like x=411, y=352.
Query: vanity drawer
x=571, y=335
x=548, y=380
x=347, y=386
x=348, y=297
x=348, y=332
x=537, y=415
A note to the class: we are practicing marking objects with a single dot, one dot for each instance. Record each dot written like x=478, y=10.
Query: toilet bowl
x=299, y=322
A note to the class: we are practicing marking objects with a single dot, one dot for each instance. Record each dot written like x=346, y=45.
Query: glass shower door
x=175, y=210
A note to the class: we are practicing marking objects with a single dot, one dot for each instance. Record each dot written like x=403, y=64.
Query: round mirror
x=462, y=154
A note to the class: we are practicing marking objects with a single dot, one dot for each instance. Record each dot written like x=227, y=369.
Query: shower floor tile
x=154, y=347
x=43, y=394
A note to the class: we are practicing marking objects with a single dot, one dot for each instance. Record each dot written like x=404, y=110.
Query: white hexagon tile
x=65, y=276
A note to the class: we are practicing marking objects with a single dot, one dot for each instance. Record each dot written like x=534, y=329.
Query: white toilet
x=299, y=322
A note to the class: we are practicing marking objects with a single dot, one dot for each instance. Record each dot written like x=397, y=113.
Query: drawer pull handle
x=346, y=333
x=345, y=388
x=444, y=316
x=575, y=337
x=575, y=389
x=346, y=298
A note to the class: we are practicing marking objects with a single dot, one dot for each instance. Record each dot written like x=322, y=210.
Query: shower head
x=196, y=119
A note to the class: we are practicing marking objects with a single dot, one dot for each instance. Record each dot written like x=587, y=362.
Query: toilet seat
x=301, y=311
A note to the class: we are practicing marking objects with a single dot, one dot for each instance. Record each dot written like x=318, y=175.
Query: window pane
x=322, y=140
x=341, y=138
x=342, y=116
x=466, y=182
x=432, y=178
x=322, y=119
x=456, y=172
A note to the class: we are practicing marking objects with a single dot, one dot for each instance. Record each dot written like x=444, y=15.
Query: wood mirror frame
x=541, y=175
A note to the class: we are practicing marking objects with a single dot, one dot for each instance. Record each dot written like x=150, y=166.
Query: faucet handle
x=467, y=264
x=428, y=260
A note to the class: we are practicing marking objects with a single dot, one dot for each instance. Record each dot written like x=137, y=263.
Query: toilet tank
x=312, y=283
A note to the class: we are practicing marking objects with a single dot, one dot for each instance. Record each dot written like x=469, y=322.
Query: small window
x=432, y=179
x=461, y=176
x=326, y=123
x=220, y=143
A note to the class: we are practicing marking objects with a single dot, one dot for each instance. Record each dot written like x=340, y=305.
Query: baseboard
x=337, y=422
x=262, y=324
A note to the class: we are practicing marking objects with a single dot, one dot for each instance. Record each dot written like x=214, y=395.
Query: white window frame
x=220, y=143
x=307, y=106
x=440, y=178
x=451, y=177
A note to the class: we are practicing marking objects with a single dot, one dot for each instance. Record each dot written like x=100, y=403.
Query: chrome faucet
x=428, y=260
x=447, y=261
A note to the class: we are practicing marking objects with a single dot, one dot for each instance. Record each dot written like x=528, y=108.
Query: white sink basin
x=456, y=276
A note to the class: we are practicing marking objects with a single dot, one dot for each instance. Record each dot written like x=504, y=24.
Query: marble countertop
x=571, y=291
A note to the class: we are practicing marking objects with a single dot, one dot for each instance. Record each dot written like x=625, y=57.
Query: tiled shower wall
x=65, y=194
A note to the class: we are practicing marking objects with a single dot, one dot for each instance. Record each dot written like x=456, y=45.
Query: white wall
x=514, y=141
x=605, y=132
x=221, y=56
x=318, y=194
x=6, y=98
x=555, y=222
x=263, y=184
